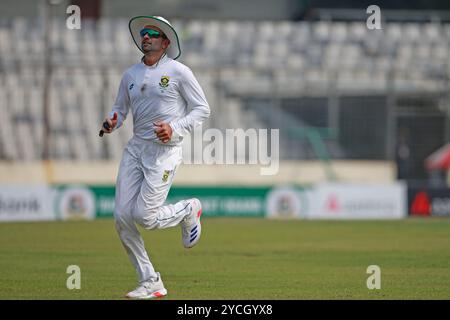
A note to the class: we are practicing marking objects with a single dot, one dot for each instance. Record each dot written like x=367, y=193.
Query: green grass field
x=237, y=258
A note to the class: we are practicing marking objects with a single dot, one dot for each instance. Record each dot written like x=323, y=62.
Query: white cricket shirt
x=162, y=92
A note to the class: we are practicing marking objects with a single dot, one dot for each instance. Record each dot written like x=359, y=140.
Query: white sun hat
x=138, y=23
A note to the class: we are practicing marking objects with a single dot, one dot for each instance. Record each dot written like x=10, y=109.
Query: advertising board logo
x=430, y=202
x=357, y=205
x=333, y=205
x=77, y=204
x=421, y=204
x=19, y=204
x=440, y=207
x=26, y=203
x=285, y=202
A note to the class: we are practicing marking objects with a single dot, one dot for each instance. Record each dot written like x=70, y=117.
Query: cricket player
x=167, y=102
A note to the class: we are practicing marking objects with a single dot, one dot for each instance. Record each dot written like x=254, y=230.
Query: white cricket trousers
x=144, y=179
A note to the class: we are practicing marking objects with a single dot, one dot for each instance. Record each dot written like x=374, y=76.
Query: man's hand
x=109, y=124
x=163, y=131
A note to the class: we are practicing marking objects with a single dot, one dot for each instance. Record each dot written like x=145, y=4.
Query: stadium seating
x=231, y=59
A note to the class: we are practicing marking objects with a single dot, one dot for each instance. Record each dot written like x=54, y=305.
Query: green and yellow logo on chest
x=166, y=175
x=164, y=83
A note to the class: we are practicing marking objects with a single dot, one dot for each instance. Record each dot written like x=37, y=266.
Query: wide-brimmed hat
x=136, y=24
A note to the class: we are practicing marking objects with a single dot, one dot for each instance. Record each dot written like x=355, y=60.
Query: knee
x=121, y=223
x=123, y=218
x=147, y=218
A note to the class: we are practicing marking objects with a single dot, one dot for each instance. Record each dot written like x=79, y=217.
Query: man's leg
x=128, y=186
x=149, y=212
x=158, y=176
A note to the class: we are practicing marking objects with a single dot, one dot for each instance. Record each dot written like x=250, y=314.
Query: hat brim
x=136, y=24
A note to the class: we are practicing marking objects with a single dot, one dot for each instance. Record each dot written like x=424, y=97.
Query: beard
x=148, y=47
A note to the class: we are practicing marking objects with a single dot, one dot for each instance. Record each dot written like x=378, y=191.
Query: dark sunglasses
x=152, y=34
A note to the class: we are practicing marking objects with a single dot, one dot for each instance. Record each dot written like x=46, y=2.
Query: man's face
x=153, y=39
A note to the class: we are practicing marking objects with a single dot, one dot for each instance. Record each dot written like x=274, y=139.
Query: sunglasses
x=152, y=34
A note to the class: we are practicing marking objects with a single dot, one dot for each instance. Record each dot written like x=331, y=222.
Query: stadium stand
x=289, y=59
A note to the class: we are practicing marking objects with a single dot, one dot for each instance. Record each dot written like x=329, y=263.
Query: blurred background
x=353, y=105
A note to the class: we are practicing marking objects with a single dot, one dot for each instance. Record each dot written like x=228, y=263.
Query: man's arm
x=120, y=108
x=193, y=94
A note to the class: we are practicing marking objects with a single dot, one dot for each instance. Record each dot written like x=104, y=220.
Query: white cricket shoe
x=148, y=290
x=190, y=226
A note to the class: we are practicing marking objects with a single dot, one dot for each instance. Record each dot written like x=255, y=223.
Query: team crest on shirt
x=164, y=83
x=166, y=175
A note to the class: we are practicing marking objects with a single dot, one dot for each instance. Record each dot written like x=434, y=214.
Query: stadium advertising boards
x=230, y=201
x=323, y=201
x=75, y=203
x=355, y=201
x=225, y=201
x=216, y=201
x=428, y=201
x=26, y=203
x=288, y=202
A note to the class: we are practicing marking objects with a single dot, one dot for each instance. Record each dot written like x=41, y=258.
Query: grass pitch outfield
x=237, y=258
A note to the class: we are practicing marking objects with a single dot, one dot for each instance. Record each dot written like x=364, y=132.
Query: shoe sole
x=154, y=295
